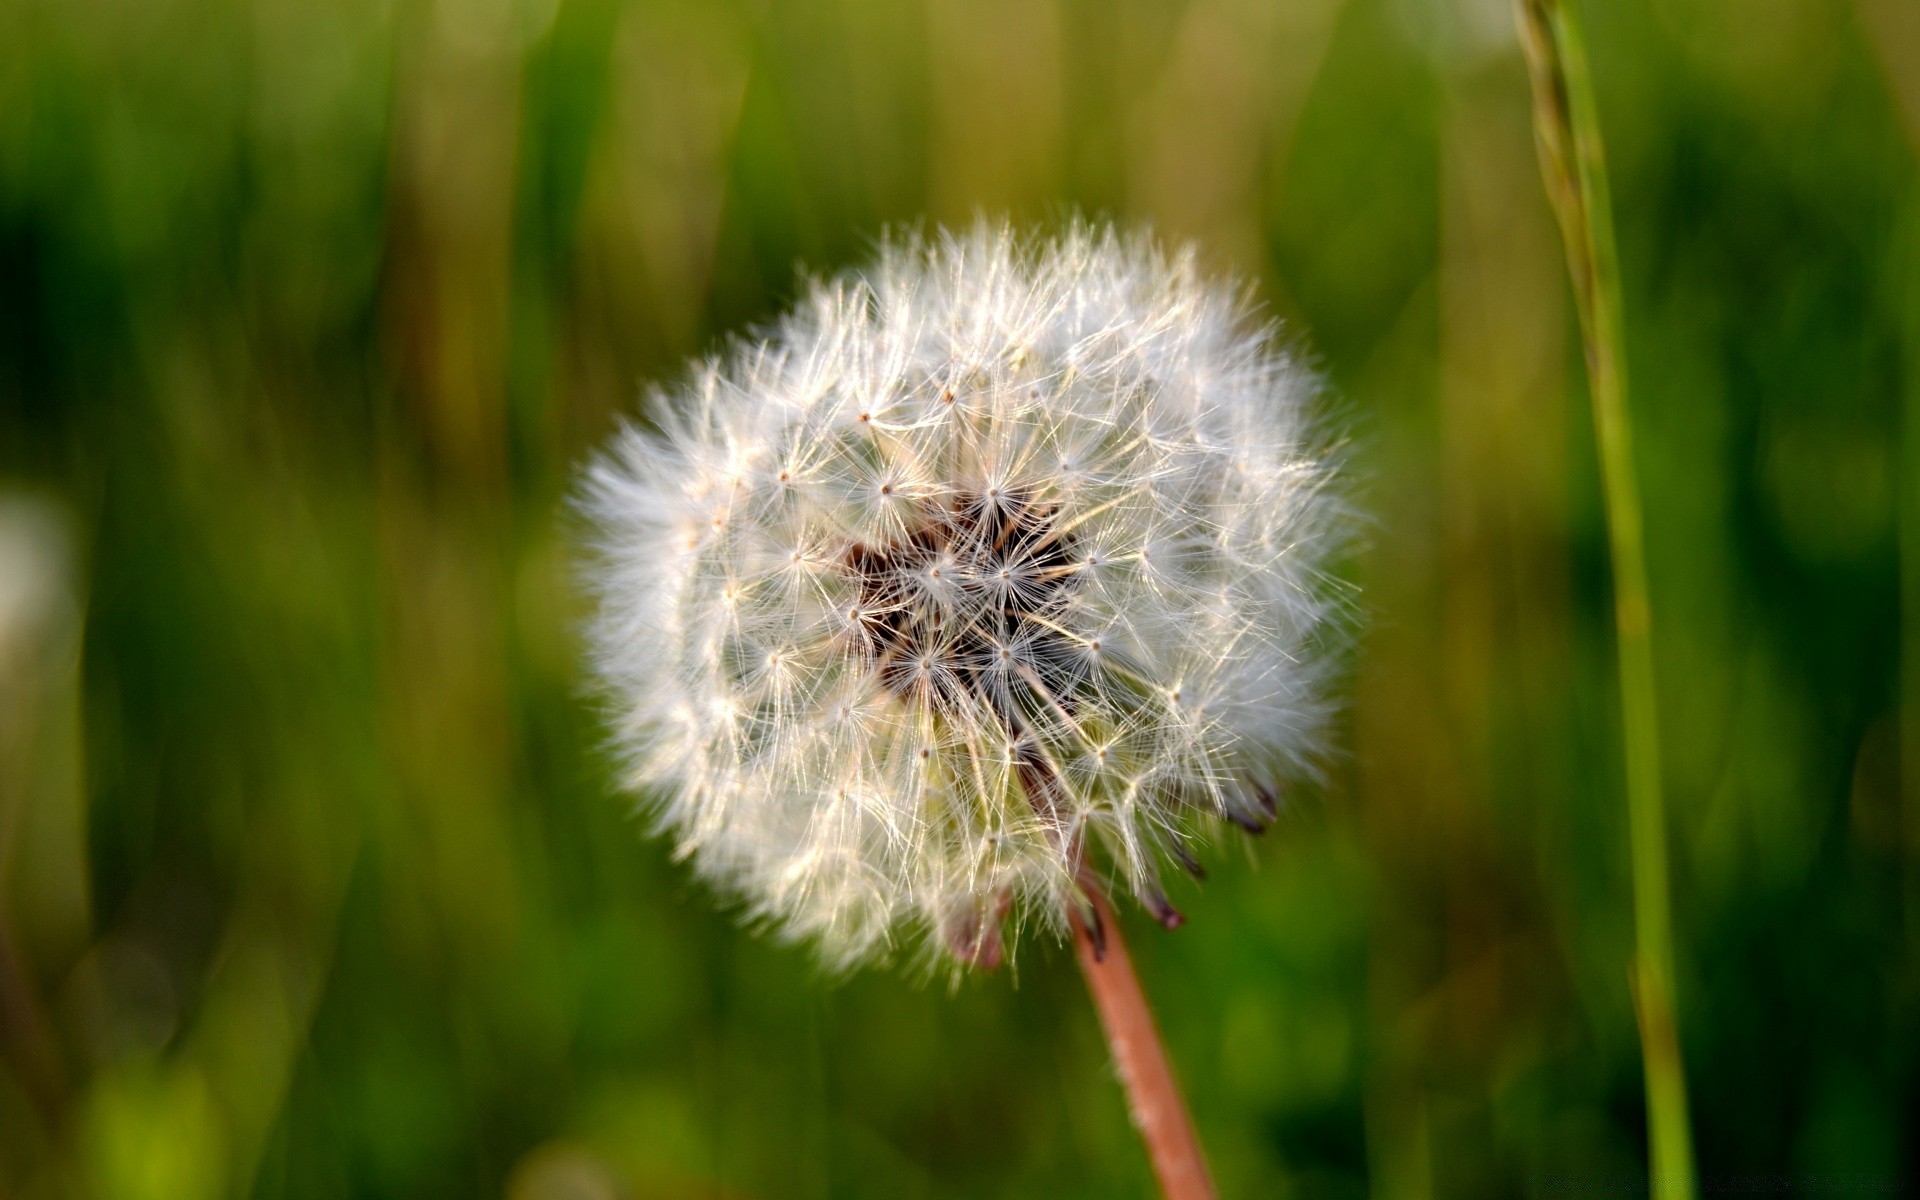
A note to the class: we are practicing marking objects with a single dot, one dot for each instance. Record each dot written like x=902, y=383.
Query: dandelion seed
x=1097, y=558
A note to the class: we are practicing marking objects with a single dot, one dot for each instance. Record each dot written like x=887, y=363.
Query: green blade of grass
x=1908, y=532
x=1567, y=129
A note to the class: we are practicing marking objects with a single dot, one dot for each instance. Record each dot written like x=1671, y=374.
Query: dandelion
x=991, y=570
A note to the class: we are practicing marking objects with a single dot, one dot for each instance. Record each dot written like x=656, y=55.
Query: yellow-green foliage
x=313, y=878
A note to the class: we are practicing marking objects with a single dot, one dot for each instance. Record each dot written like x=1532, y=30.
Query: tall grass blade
x=1567, y=130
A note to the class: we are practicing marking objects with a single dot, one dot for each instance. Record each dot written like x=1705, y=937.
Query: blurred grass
x=311, y=882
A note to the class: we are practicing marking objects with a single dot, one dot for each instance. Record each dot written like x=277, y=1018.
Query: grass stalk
x=1567, y=131
x=1908, y=509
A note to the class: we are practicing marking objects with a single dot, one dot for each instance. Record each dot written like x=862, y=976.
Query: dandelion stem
x=1153, y=1095
x=1567, y=130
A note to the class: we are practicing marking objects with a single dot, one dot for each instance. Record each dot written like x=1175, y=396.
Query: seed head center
x=973, y=587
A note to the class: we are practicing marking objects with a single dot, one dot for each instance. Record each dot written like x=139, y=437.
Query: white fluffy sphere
x=998, y=561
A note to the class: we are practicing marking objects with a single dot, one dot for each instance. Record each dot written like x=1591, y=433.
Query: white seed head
x=1000, y=556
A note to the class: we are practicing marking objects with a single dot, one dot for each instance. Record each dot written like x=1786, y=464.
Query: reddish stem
x=1153, y=1095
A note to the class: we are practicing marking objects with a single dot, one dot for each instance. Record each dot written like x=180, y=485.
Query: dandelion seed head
x=997, y=555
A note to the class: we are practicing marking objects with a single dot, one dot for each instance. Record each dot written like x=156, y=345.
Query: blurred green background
x=312, y=882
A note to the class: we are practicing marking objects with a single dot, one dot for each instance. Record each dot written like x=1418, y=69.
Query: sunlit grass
x=312, y=866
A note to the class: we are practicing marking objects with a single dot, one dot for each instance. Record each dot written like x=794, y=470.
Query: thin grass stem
x=1908, y=498
x=1567, y=131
